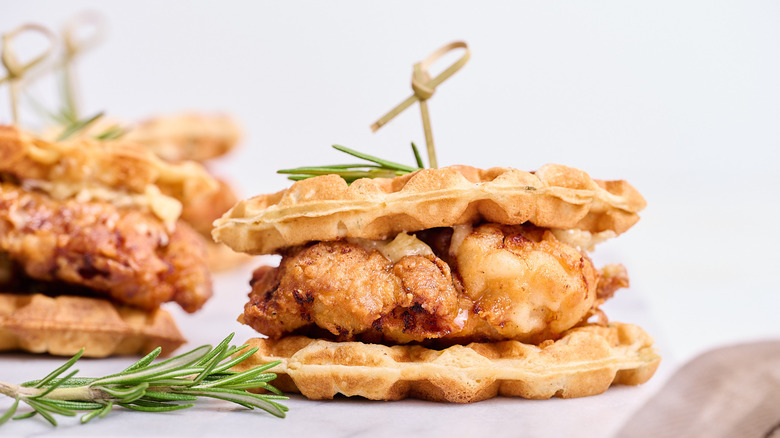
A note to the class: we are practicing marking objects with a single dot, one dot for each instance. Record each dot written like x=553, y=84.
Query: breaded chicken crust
x=501, y=282
x=122, y=253
x=203, y=211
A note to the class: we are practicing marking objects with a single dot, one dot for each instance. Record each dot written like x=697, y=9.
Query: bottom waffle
x=65, y=324
x=585, y=361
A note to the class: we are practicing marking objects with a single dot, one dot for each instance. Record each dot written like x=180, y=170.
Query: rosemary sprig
x=112, y=133
x=169, y=385
x=375, y=168
x=77, y=125
x=65, y=118
x=74, y=126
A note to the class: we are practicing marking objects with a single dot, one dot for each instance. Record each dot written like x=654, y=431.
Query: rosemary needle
x=375, y=168
x=168, y=385
x=78, y=125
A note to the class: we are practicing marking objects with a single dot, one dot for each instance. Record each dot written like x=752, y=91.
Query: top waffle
x=94, y=169
x=326, y=208
x=187, y=136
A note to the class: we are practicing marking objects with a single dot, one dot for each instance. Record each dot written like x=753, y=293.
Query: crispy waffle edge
x=326, y=208
x=112, y=164
x=63, y=325
x=585, y=361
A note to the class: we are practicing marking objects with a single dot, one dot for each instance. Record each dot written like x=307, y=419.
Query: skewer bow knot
x=424, y=87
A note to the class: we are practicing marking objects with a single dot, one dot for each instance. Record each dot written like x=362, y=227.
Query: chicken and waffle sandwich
x=453, y=284
x=91, y=245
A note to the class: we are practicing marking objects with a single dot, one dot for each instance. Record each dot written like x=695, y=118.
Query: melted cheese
x=167, y=209
x=459, y=234
x=394, y=250
x=583, y=240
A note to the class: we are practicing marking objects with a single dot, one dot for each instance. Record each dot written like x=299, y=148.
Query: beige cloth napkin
x=729, y=392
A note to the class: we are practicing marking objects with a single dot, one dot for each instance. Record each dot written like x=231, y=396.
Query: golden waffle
x=585, y=361
x=187, y=136
x=66, y=324
x=326, y=208
x=70, y=167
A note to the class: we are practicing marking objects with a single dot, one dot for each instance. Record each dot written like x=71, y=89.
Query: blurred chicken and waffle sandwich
x=92, y=244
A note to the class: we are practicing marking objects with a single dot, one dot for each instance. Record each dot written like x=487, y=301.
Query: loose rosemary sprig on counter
x=380, y=168
x=164, y=386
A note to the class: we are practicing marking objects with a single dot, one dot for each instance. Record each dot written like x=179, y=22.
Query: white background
x=682, y=99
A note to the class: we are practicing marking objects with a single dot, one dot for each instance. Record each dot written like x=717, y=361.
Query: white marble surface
x=679, y=98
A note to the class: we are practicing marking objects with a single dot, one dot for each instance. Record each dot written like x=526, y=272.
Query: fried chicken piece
x=525, y=283
x=349, y=291
x=126, y=254
x=611, y=278
x=201, y=212
x=503, y=282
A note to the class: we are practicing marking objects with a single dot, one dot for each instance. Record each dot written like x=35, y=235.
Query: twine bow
x=424, y=87
x=16, y=69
